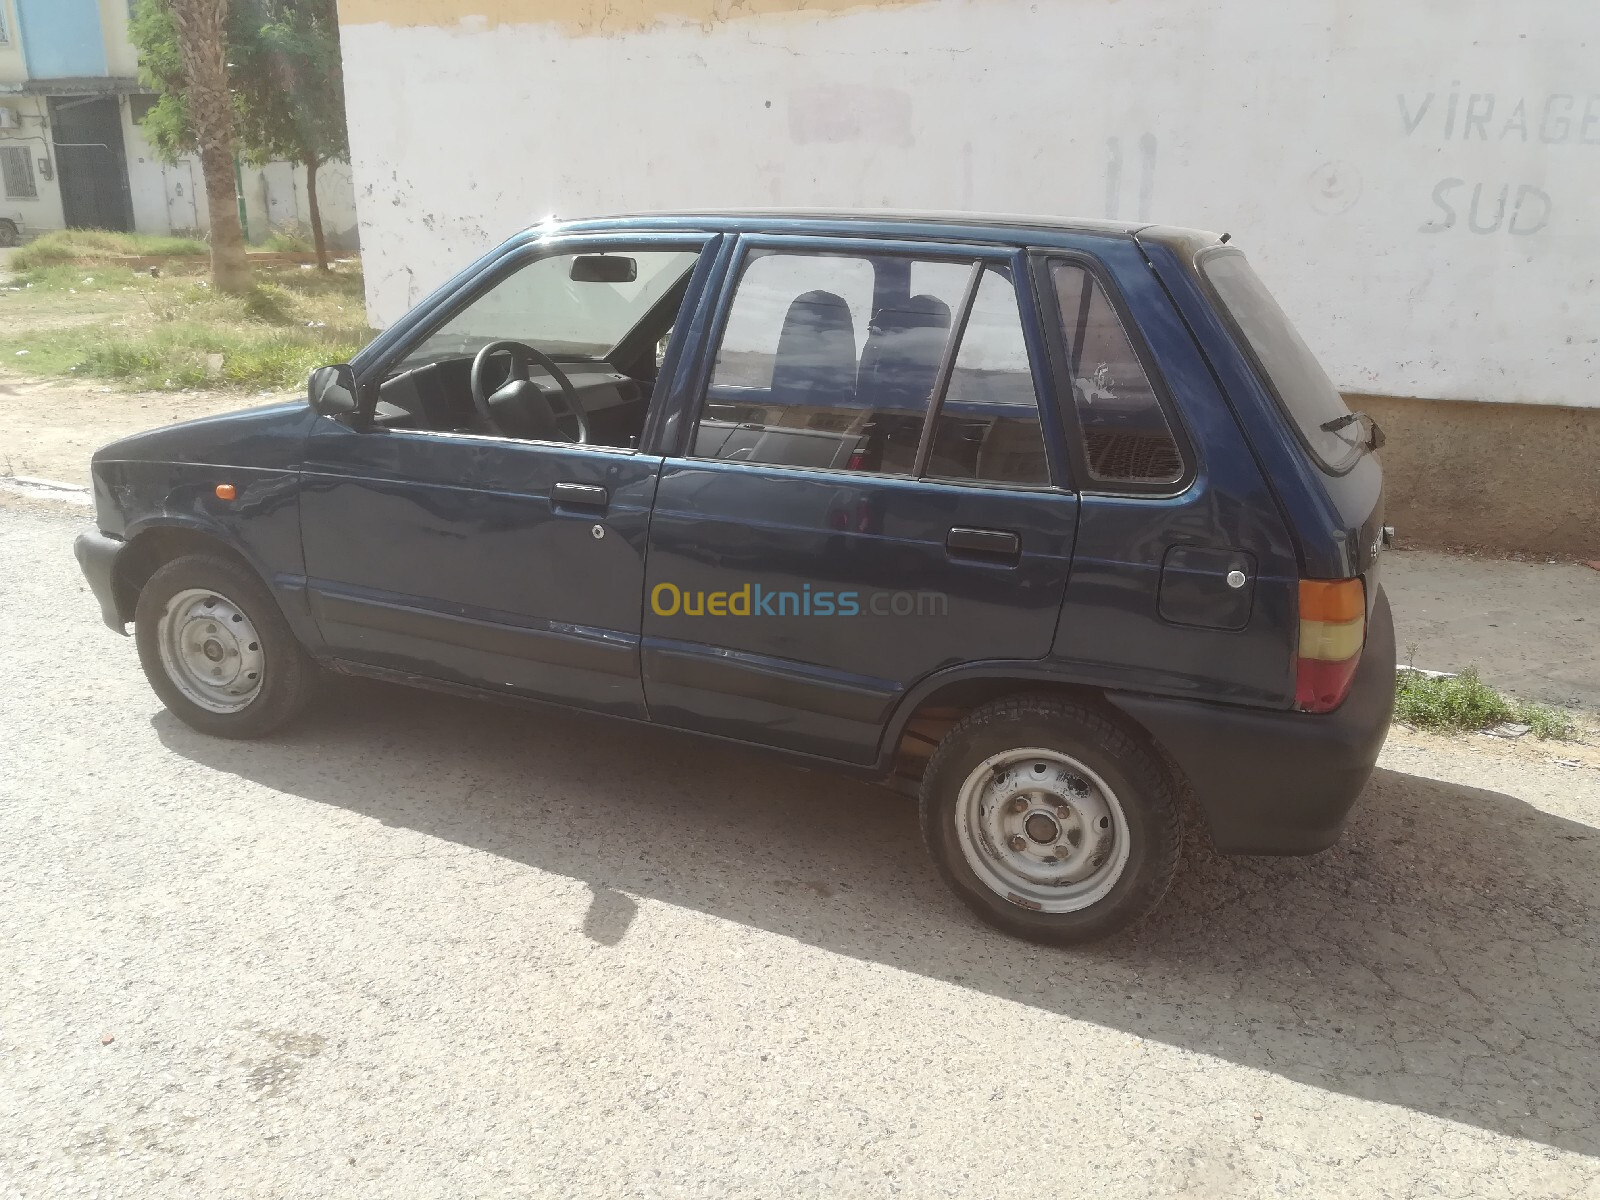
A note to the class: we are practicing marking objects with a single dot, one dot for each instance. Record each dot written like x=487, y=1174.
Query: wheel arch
x=938, y=701
x=155, y=545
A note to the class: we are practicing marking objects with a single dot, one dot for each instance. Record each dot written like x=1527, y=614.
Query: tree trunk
x=201, y=26
x=316, y=213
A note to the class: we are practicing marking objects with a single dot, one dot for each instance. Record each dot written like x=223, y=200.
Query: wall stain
x=587, y=16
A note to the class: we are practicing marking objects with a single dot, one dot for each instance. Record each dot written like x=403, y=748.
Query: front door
x=92, y=162
x=471, y=528
x=865, y=494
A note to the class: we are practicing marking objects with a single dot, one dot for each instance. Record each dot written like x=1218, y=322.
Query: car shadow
x=1443, y=957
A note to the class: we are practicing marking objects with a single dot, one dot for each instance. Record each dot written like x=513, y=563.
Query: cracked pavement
x=428, y=947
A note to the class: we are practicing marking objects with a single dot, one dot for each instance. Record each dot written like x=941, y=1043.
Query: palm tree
x=202, y=28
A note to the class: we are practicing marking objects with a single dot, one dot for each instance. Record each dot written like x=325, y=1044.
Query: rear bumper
x=1280, y=782
x=97, y=556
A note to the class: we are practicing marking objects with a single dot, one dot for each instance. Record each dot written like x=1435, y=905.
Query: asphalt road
x=425, y=947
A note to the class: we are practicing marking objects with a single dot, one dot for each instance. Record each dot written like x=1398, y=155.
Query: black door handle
x=579, y=495
x=984, y=543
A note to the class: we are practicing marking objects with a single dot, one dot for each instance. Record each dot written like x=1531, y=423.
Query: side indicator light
x=1333, y=628
x=226, y=491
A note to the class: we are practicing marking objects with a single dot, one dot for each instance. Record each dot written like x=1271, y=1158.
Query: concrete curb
x=46, y=489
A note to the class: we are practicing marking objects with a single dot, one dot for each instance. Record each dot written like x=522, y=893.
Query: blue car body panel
x=451, y=561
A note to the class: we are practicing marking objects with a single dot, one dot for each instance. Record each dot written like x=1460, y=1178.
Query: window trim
x=1042, y=263
x=979, y=257
x=27, y=164
x=491, y=276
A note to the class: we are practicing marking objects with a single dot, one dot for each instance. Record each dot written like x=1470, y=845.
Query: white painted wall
x=1417, y=181
x=275, y=198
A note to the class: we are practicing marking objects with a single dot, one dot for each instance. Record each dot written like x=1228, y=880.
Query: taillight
x=1333, y=628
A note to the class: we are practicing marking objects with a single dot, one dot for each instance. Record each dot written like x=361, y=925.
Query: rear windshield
x=1303, y=388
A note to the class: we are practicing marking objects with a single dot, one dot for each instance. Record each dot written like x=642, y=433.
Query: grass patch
x=98, y=278
x=174, y=331
x=66, y=244
x=1464, y=703
x=288, y=241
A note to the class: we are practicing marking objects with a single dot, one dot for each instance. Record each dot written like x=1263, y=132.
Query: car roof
x=955, y=226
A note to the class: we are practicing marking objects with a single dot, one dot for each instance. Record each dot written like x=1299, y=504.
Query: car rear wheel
x=216, y=649
x=1051, y=821
x=8, y=234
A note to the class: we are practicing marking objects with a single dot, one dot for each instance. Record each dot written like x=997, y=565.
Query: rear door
x=1185, y=579
x=865, y=490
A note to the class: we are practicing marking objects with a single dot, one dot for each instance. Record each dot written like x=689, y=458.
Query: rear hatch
x=1317, y=454
x=1337, y=441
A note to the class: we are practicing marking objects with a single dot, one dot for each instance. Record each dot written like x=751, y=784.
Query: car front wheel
x=1050, y=820
x=216, y=649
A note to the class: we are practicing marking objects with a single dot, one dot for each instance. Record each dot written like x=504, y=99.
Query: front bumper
x=1280, y=782
x=97, y=556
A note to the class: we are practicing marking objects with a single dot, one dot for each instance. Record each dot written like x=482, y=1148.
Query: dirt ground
x=48, y=430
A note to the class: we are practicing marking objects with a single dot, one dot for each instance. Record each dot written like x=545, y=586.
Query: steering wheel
x=522, y=357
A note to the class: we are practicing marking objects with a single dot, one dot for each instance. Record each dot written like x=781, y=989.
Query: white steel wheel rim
x=211, y=650
x=1042, y=830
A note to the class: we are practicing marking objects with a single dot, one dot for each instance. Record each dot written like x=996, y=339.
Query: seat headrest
x=815, y=363
x=902, y=353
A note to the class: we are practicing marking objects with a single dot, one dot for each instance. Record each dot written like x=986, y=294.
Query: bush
x=1464, y=703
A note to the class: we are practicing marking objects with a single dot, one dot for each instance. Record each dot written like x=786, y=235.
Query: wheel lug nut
x=1020, y=804
x=1063, y=851
x=1019, y=843
x=1063, y=811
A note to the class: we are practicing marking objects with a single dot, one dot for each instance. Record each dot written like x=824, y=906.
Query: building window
x=5, y=29
x=16, y=165
x=139, y=107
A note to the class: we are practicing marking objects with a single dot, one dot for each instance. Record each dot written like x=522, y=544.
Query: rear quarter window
x=1292, y=373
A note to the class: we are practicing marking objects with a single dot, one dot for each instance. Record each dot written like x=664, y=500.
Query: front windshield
x=542, y=306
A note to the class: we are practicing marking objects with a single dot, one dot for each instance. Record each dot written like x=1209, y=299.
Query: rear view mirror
x=332, y=391
x=604, y=268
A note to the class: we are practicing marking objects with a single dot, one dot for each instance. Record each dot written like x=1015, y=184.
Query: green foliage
x=1463, y=703
x=65, y=245
x=284, y=70
x=287, y=72
x=166, y=125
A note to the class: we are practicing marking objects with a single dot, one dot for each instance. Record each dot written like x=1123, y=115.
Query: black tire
x=288, y=674
x=1133, y=769
x=8, y=234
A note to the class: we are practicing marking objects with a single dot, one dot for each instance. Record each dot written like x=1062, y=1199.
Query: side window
x=988, y=427
x=1125, y=432
x=831, y=361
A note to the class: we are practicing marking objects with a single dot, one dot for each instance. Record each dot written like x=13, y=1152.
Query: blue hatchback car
x=1058, y=524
